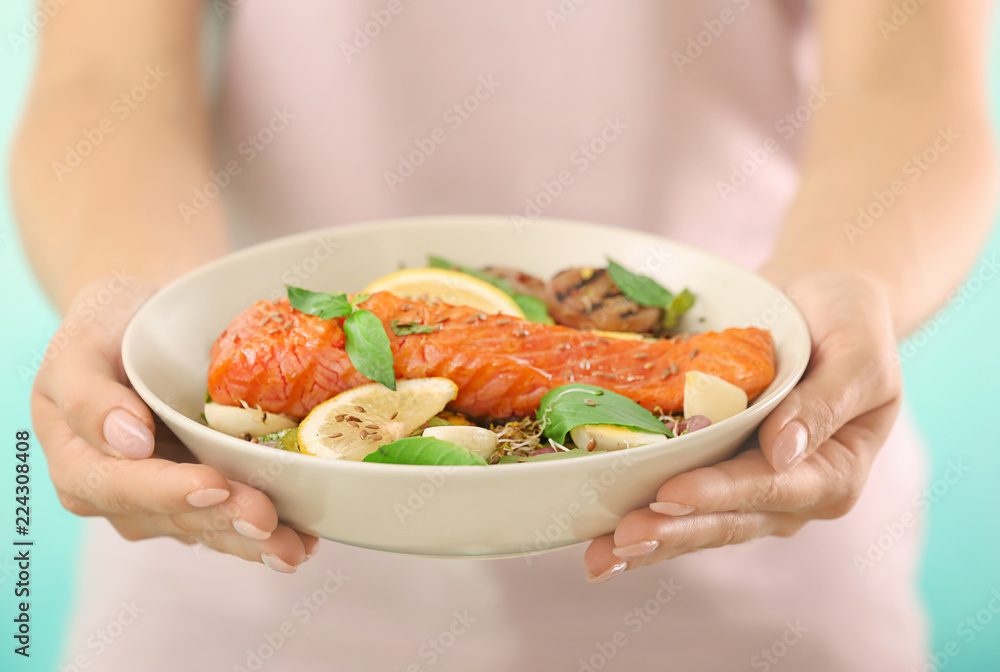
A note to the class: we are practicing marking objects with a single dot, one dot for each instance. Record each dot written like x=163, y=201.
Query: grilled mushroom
x=587, y=298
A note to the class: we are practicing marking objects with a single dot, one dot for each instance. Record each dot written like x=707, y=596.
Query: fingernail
x=126, y=434
x=206, y=497
x=276, y=563
x=636, y=550
x=250, y=531
x=789, y=446
x=607, y=574
x=671, y=508
x=310, y=552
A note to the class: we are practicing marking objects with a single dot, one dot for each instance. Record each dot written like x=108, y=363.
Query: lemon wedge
x=356, y=422
x=446, y=286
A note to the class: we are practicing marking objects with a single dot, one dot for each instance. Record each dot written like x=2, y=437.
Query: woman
x=791, y=137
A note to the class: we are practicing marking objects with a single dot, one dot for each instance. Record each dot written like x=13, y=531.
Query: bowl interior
x=171, y=336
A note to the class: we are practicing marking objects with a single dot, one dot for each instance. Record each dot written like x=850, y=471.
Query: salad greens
x=648, y=292
x=365, y=339
x=424, y=450
x=569, y=406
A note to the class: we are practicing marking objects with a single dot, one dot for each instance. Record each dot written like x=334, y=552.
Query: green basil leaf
x=566, y=407
x=534, y=309
x=644, y=291
x=321, y=304
x=424, y=450
x=407, y=328
x=359, y=298
x=208, y=396
x=368, y=347
x=680, y=305
x=575, y=452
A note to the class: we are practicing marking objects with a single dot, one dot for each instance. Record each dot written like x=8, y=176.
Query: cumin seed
x=590, y=402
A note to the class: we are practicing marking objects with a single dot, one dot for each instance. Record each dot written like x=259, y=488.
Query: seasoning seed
x=589, y=344
x=590, y=402
x=272, y=331
x=673, y=369
x=375, y=438
x=664, y=374
x=603, y=341
x=334, y=436
x=470, y=320
x=563, y=346
x=591, y=444
x=353, y=424
x=363, y=434
x=521, y=333
x=405, y=306
x=605, y=374
x=694, y=353
x=340, y=417
x=372, y=426
x=394, y=415
x=481, y=316
x=359, y=409
x=641, y=355
x=264, y=321
x=502, y=321
x=648, y=365
x=354, y=418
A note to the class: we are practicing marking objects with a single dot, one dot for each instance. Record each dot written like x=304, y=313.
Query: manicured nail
x=671, y=508
x=789, y=446
x=276, y=563
x=126, y=434
x=311, y=548
x=250, y=531
x=636, y=550
x=607, y=574
x=206, y=497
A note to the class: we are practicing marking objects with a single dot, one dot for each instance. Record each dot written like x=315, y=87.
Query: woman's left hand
x=817, y=446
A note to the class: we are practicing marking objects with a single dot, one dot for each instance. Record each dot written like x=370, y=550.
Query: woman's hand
x=108, y=457
x=817, y=447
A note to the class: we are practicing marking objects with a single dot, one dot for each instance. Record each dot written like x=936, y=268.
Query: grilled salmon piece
x=284, y=361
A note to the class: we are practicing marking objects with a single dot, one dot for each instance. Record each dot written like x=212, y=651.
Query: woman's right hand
x=109, y=457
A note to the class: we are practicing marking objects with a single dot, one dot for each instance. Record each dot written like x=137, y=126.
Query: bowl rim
x=164, y=410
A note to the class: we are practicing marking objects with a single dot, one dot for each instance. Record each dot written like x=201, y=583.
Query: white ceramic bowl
x=492, y=511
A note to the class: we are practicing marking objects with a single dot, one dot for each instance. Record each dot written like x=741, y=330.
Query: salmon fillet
x=284, y=361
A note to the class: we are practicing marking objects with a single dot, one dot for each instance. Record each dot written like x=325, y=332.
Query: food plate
x=458, y=511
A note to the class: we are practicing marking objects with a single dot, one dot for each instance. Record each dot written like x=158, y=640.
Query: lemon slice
x=447, y=286
x=356, y=422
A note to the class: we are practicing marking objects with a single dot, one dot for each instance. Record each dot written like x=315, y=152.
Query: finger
x=92, y=483
x=825, y=486
x=86, y=388
x=247, y=511
x=839, y=386
x=745, y=483
x=283, y=551
x=644, y=537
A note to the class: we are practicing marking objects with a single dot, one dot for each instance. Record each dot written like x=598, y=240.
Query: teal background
x=951, y=380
